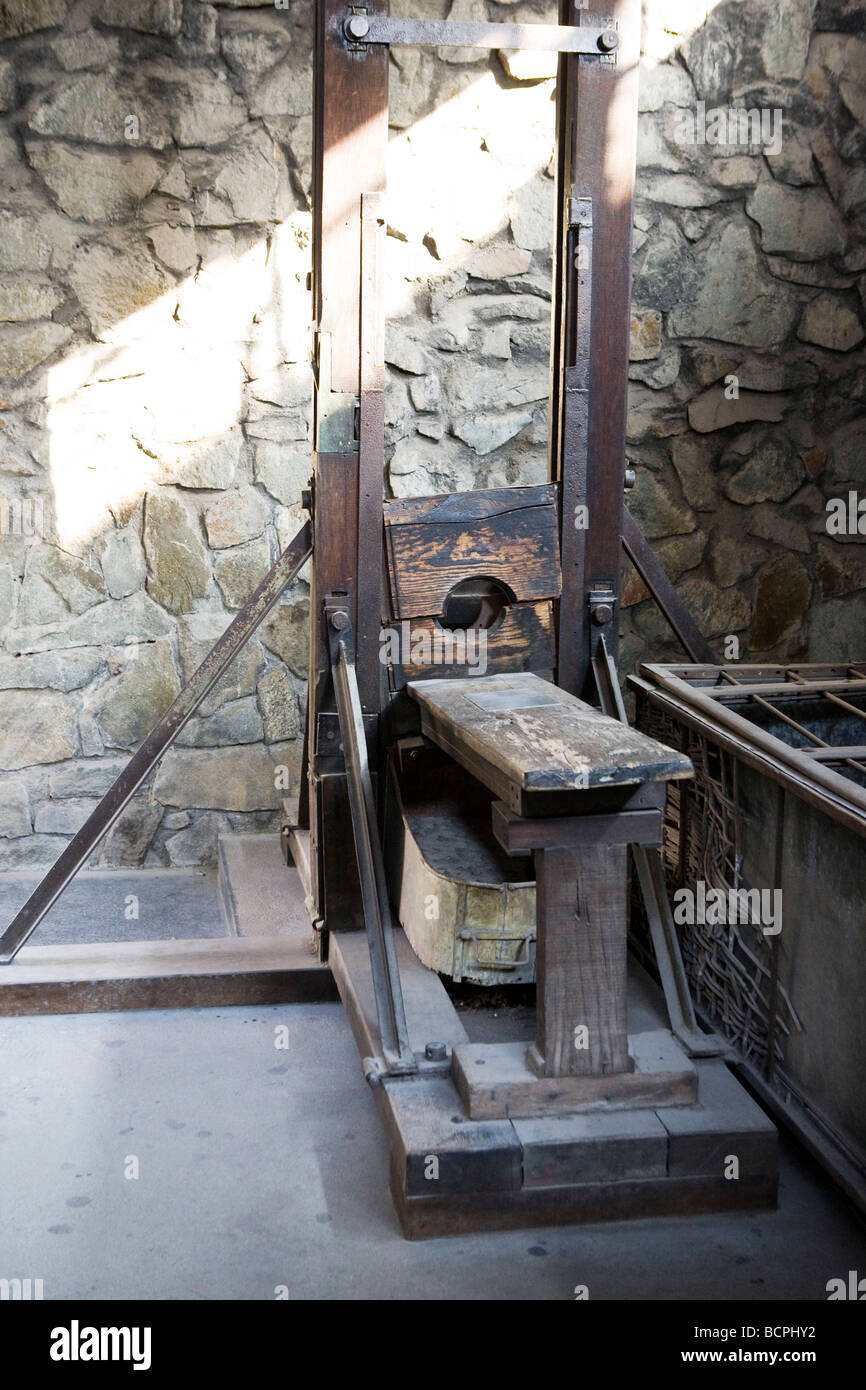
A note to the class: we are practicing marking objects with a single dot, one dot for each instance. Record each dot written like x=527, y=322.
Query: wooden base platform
x=504, y=1080
x=451, y=1173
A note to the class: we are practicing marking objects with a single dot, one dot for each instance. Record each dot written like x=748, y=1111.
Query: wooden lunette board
x=509, y=535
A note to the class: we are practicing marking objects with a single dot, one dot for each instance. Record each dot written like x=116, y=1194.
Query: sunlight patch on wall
x=460, y=174
x=158, y=399
x=668, y=23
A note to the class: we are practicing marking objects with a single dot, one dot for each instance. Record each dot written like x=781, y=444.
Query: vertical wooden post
x=580, y=962
x=350, y=143
x=597, y=135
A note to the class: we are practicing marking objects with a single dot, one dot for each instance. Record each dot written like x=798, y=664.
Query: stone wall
x=154, y=244
x=747, y=415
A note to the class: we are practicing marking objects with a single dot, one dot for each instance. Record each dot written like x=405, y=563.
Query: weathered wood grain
x=580, y=961
x=522, y=641
x=434, y=543
x=562, y=744
x=612, y=1147
x=461, y=508
x=518, y=835
x=469, y=1156
x=162, y=975
x=495, y=1081
x=428, y=1217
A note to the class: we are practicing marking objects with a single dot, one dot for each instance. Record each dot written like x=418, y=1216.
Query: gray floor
x=170, y=904
x=261, y=1167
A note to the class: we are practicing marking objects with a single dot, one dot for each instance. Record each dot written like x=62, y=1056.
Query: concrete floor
x=261, y=1167
x=171, y=903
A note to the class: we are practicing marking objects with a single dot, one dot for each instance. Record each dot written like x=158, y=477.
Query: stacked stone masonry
x=154, y=360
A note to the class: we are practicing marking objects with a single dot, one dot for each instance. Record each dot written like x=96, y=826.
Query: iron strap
x=363, y=29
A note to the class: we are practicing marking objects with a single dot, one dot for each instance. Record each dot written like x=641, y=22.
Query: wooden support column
x=350, y=143
x=597, y=139
x=580, y=961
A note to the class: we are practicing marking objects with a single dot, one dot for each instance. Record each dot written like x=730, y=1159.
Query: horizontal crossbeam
x=443, y=33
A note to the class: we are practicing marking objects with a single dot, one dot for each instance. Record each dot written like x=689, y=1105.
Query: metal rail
x=763, y=757
x=716, y=703
x=856, y=754
x=100, y=821
x=396, y=1050
x=650, y=873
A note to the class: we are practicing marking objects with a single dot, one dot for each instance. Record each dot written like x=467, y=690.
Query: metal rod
x=843, y=704
x=650, y=873
x=835, y=699
x=773, y=1002
x=719, y=712
x=393, y=1029
x=851, y=752
x=820, y=743
x=801, y=690
x=835, y=803
x=786, y=718
x=100, y=821
x=645, y=561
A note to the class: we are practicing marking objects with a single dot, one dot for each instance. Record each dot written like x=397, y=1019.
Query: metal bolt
x=608, y=40
x=357, y=27
x=602, y=613
x=629, y=480
x=339, y=621
x=436, y=1052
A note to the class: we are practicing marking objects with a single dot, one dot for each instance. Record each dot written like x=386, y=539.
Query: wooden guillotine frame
x=381, y=563
x=541, y=744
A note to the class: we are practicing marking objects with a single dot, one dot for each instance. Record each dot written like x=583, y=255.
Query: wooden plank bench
x=556, y=762
x=522, y=736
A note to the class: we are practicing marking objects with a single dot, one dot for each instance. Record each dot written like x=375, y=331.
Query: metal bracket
x=361, y=30
x=580, y=212
x=602, y=604
x=394, y=1032
x=337, y=412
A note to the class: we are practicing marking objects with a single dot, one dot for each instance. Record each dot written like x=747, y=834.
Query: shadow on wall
x=747, y=405
x=155, y=241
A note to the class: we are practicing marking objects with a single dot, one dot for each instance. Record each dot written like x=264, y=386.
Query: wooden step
x=163, y=975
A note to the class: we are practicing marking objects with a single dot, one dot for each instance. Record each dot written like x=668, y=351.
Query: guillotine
x=531, y=767
x=533, y=760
